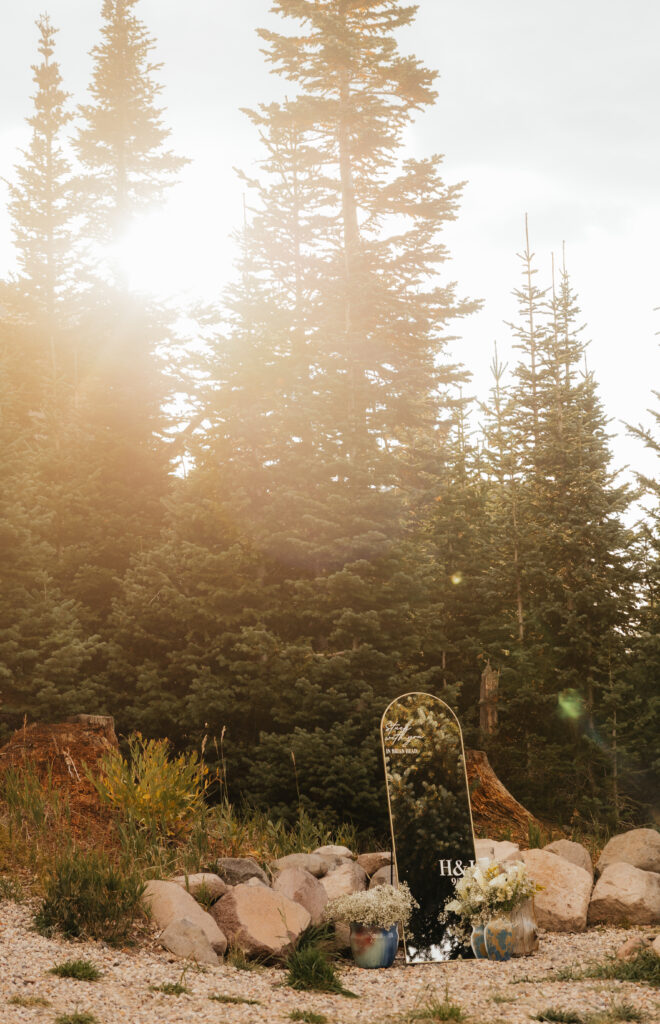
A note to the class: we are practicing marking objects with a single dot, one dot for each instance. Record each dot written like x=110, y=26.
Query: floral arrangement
x=484, y=892
x=381, y=907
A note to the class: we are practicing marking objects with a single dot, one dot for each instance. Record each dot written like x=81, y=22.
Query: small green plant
x=33, y=803
x=171, y=988
x=76, y=1018
x=308, y=1017
x=87, y=896
x=81, y=970
x=536, y=837
x=310, y=970
x=161, y=793
x=10, y=889
x=567, y=974
x=234, y=999
x=643, y=967
x=499, y=998
x=559, y=1017
x=435, y=1009
x=28, y=1001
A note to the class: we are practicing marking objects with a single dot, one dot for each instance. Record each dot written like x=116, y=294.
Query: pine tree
x=578, y=586
x=121, y=141
x=40, y=205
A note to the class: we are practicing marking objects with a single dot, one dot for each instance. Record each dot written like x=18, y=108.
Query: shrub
x=160, y=794
x=28, y=1001
x=10, y=889
x=308, y=1017
x=87, y=896
x=559, y=1017
x=81, y=970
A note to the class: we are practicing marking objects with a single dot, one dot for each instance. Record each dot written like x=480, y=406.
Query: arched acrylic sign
x=430, y=817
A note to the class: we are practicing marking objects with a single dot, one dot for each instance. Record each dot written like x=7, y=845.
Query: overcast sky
x=549, y=108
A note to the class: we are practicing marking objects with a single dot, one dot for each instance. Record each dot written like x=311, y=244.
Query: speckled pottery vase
x=478, y=942
x=498, y=936
x=374, y=947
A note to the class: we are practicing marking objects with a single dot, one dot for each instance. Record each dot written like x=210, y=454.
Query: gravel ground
x=488, y=993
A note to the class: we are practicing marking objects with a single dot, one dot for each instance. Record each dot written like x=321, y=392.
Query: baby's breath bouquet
x=381, y=907
x=483, y=893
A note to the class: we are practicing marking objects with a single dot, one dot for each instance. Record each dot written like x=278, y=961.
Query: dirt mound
x=494, y=811
x=60, y=752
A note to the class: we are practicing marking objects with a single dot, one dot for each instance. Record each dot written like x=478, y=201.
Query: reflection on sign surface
x=432, y=834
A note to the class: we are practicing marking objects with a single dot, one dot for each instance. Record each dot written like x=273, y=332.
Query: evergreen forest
x=263, y=520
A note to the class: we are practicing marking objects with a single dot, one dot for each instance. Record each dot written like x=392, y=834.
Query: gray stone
x=347, y=878
x=625, y=895
x=188, y=941
x=310, y=862
x=575, y=852
x=639, y=847
x=631, y=947
x=383, y=876
x=484, y=848
x=302, y=888
x=210, y=887
x=167, y=902
x=237, y=870
x=260, y=921
x=563, y=903
x=335, y=851
x=372, y=862
x=256, y=881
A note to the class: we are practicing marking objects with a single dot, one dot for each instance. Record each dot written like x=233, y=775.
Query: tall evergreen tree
x=40, y=204
x=321, y=428
x=121, y=143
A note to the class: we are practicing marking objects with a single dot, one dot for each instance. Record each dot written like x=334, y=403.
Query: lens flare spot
x=570, y=705
x=457, y=578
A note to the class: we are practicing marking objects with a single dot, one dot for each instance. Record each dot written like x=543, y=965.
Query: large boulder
x=168, y=902
x=188, y=941
x=640, y=847
x=384, y=876
x=563, y=903
x=575, y=852
x=314, y=863
x=204, y=886
x=373, y=862
x=237, y=870
x=625, y=895
x=335, y=851
x=655, y=945
x=347, y=878
x=260, y=921
x=302, y=888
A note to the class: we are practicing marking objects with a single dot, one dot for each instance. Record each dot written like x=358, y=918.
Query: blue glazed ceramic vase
x=498, y=935
x=372, y=946
x=478, y=942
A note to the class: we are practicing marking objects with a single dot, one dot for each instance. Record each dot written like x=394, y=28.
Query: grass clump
x=81, y=970
x=435, y=1009
x=234, y=999
x=623, y=1012
x=310, y=970
x=87, y=896
x=308, y=1017
x=28, y=1001
x=559, y=1017
x=643, y=967
x=171, y=988
x=10, y=889
x=76, y=1018
x=237, y=958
